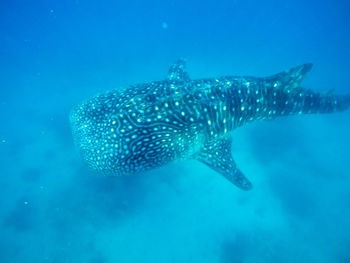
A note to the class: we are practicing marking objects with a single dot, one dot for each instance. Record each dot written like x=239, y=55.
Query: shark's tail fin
x=342, y=102
x=347, y=101
x=325, y=102
x=293, y=99
x=308, y=101
x=291, y=78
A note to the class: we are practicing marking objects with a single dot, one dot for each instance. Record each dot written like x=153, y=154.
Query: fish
x=145, y=126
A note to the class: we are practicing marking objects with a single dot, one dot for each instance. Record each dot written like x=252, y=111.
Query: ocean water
x=54, y=54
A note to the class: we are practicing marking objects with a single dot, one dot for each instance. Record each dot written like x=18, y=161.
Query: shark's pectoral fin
x=177, y=71
x=217, y=155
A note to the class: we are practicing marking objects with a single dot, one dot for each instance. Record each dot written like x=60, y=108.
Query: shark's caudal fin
x=346, y=102
x=292, y=77
x=217, y=155
x=293, y=99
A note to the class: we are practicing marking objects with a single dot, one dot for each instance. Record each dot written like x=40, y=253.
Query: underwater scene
x=175, y=131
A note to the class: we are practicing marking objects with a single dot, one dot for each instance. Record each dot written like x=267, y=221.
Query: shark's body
x=149, y=125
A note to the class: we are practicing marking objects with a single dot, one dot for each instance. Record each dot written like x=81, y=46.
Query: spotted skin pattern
x=145, y=126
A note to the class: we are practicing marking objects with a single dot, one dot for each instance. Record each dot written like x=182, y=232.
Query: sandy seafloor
x=54, y=54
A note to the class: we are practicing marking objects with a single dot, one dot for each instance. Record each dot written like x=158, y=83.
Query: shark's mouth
x=82, y=139
x=85, y=137
x=91, y=124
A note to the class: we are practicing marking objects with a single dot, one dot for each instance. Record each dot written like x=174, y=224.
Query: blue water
x=54, y=54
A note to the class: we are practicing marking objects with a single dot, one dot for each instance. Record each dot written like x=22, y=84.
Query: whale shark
x=145, y=126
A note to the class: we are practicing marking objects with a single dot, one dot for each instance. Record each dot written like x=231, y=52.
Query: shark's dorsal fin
x=291, y=78
x=217, y=155
x=177, y=71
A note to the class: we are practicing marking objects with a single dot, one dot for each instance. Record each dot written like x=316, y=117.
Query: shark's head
x=93, y=125
x=112, y=137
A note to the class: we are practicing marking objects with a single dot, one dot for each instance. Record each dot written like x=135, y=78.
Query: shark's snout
x=89, y=136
